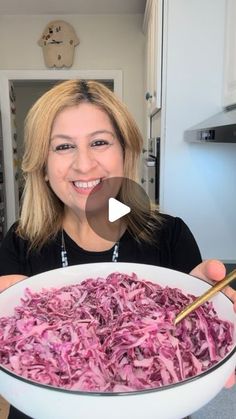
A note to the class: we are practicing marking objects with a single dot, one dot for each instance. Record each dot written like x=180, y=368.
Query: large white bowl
x=169, y=402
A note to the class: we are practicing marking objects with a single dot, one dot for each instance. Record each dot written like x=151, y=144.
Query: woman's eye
x=63, y=148
x=100, y=143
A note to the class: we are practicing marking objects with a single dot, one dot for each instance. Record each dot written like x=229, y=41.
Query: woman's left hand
x=213, y=270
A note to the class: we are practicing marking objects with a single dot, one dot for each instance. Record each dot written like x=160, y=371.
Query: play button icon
x=115, y=204
x=116, y=210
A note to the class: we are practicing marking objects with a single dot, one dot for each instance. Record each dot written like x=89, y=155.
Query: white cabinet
x=230, y=54
x=152, y=27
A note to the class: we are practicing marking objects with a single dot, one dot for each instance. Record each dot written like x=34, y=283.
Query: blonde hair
x=42, y=211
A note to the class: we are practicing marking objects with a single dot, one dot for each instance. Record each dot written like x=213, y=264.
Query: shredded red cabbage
x=113, y=334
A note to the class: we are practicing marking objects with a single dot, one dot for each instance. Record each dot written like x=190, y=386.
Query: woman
x=78, y=138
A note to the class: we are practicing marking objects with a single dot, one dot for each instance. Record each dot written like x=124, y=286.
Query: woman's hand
x=8, y=280
x=214, y=270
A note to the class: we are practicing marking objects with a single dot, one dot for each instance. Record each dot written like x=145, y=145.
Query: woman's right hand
x=8, y=280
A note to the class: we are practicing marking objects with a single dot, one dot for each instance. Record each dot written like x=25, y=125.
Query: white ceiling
x=60, y=7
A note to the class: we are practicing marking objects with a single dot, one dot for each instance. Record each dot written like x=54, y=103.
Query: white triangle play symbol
x=116, y=209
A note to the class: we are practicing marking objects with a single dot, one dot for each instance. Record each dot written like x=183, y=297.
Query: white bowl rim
x=120, y=393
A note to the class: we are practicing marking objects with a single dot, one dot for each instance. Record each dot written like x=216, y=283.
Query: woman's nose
x=83, y=160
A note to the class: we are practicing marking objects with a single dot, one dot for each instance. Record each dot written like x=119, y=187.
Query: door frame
x=7, y=76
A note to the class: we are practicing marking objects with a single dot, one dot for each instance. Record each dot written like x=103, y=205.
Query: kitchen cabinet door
x=229, y=98
x=153, y=23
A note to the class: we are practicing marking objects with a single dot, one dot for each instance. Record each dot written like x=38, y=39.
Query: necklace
x=64, y=257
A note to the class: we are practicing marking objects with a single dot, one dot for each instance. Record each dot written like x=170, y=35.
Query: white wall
x=198, y=180
x=106, y=42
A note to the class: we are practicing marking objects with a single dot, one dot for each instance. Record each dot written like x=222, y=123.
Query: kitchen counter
x=4, y=408
x=223, y=406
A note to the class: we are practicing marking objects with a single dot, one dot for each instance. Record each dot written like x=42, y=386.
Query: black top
x=176, y=249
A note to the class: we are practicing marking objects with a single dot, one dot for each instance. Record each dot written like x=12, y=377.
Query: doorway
x=31, y=85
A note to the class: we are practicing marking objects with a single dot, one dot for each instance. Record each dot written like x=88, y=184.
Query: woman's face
x=84, y=152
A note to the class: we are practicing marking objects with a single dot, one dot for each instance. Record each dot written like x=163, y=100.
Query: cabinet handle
x=148, y=96
x=143, y=180
x=151, y=180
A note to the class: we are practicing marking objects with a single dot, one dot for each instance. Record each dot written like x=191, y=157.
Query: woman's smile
x=87, y=184
x=87, y=187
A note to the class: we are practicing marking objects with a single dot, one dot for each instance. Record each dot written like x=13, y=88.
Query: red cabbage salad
x=113, y=334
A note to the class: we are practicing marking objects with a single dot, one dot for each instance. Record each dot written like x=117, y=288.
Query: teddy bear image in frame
x=58, y=42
